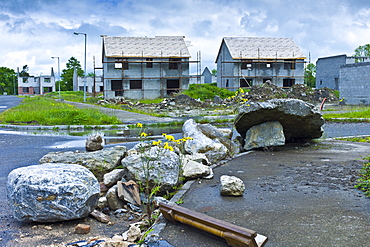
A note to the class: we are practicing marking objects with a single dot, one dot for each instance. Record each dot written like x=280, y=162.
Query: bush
x=207, y=91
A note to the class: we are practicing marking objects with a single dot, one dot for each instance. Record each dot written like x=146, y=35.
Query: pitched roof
x=160, y=46
x=262, y=48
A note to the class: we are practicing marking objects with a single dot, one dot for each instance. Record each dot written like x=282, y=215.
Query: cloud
x=33, y=31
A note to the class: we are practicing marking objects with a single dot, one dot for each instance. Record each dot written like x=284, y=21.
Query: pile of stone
x=107, y=180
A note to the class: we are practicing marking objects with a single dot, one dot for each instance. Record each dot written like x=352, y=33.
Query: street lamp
x=58, y=73
x=84, y=65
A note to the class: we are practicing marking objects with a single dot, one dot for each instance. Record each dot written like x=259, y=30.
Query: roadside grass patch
x=42, y=110
x=363, y=183
x=354, y=114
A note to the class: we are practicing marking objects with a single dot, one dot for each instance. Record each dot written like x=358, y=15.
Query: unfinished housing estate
x=36, y=84
x=145, y=68
x=348, y=74
x=246, y=61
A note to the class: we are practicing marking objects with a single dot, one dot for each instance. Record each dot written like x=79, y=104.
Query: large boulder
x=207, y=139
x=98, y=162
x=300, y=120
x=52, y=192
x=267, y=134
x=157, y=166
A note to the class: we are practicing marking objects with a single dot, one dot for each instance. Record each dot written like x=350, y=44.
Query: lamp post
x=58, y=73
x=84, y=65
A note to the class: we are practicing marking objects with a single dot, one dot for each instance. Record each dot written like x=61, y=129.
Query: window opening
x=174, y=63
x=136, y=84
x=149, y=63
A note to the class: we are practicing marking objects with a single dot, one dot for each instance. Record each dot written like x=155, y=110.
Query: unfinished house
x=36, y=84
x=246, y=61
x=145, y=68
x=350, y=75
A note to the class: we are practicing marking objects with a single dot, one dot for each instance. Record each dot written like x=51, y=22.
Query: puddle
x=109, y=136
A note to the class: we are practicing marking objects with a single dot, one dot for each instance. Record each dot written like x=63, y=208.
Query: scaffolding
x=173, y=64
x=258, y=66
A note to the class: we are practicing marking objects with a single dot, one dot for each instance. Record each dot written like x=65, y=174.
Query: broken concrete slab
x=300, y=120
x=129, y=192
x=268, y=134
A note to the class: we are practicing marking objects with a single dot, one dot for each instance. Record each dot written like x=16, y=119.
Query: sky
x=33, y=31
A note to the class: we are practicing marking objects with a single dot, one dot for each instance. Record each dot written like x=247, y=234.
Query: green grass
x=356, y=139
x=42, y=110
x=363, y=183
x=207, y=91
x=358, y=113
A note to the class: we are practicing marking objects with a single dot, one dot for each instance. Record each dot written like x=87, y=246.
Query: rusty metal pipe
x=234, y=235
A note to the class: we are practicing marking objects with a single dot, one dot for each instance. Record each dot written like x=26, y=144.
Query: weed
x=363, y=183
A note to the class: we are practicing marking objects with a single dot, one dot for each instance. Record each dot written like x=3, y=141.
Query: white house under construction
x=145, y=68
x=246, y=61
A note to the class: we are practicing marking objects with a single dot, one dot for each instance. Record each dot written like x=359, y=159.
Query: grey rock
x=198, y=157
x=208, y=140
x=102, y=203
x=300, y=120
x=192, y=169
x=113, y=177
x=52, y=192
x=231, y=186
x=94, y=143
x=163, y=165
x=114, y=202
x=98, y=162
x=267, y=134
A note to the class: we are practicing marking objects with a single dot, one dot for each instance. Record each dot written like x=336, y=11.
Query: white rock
x=52, y=192
x=192, y=169
x=231, y=186
x=112, y=177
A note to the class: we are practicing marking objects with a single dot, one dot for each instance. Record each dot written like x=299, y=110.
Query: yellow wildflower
x=143, y=134
x=166, y=146
x=140, y=125
x=170, y=138
x=156, y=143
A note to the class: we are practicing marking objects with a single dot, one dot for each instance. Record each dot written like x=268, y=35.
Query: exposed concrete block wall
x=327, y=71
x=354, y=84
x=225, y=69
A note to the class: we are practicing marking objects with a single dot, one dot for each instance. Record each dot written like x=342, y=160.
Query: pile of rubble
x=269, y=91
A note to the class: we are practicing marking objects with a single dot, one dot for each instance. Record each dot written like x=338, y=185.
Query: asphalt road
x=8, y=101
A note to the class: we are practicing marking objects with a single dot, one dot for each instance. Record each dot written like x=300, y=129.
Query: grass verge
x=355, y=115
x=42, y=110
x=363, y=183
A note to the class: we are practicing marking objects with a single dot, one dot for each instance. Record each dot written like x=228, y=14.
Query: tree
x=362, y=51
x=214, y=72
x=8, y=82
x=310, y=75
x=67, y=74
x=24, y=72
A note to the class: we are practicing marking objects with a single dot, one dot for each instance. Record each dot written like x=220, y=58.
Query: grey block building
x=246, y=61
x=350, y=75
x=145, y=68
